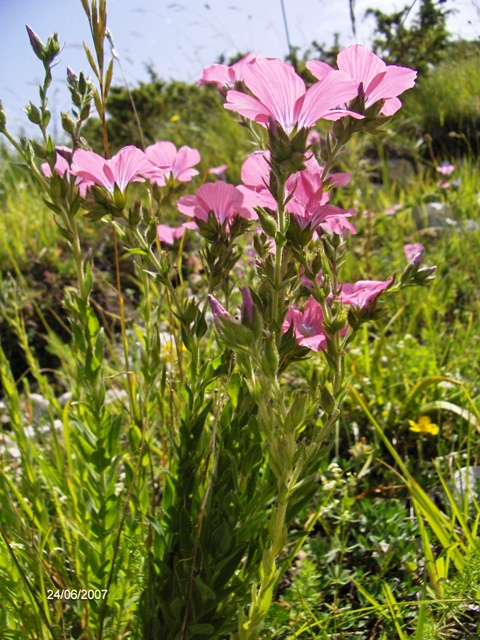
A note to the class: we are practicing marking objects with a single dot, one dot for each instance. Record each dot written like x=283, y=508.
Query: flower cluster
x=159, y=163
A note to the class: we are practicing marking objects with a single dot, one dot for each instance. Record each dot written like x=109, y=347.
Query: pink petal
x=216, y=171
x=363, y=292
x=217, y=197
x=277, y=87
x=338, y=224
x=168, y=235
x=219, y=74
x=322, y=97
x=361, y=64
x=127, y=165
x=89, y=166
x=161, y=154
x=255, y=198
x=189, y=206
x=390, y=107
x=182, y=166
x=319, y=69
x=414, y=253
x=340, y=179
x=247, y=106
x=256, y=170
x=395, y=81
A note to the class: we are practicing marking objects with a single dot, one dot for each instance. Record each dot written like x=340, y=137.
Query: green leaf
x=233, y=389
x=100, y=459
x=91, y=62
x=138, y=252
x=251, y=459
x=221, y=538
x=423, y=384
x=202, y=630
x=108, y=77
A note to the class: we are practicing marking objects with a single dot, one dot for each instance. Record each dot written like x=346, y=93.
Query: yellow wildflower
x=424, y=425
x=175, y=118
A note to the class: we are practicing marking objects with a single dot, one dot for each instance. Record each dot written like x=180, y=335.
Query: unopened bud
x=52, y=48
x=67, y=123
x=270, y=360
x=85, y=112
x=33, y=113
x=119, y=199
x=317, y=264
x=36, y=44
x=3, y=117
x=266, y=222
x=72, y=78
x=39, y=150
x=151, y=234
x=82, y=83
x=135, y=214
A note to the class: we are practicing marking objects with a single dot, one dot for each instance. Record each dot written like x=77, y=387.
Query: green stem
x=331, y=160
x=277, y=308
x=77, y=254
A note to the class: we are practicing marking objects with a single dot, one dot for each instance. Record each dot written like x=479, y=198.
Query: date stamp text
x=76, y=594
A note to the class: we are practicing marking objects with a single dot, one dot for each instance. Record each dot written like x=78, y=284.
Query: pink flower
x=313, y=138
x=306, y=198
x=224, y=76
x=364, y=292
x=224, y=200
x=168, y=235
x=127, y=166
x=168, y=162
x=339, y=224
x=307, y=325
x=62, y=167
x=307, y=202
x=446, y=168
x=280, y=95
x=216, y=171
x=375, y=79
x=414, y=253
x=393, y=210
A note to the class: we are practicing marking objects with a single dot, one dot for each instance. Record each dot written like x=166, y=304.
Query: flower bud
x=151, y=234
x=67, y=123
x=3, y=118
x=247, y=307
x=52, y=48
x=135, y=214
x=36, y=44
x=39, y=150
x=55, y=186
x=119, y=199
x=266, y=222
x=72, y=78
x=33, y=113
x=339, y=321
x=271, y=359
x=317, y=264
x=83, y=83
x=85, y=112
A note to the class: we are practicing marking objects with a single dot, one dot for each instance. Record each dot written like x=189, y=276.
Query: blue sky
x=177, y=38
